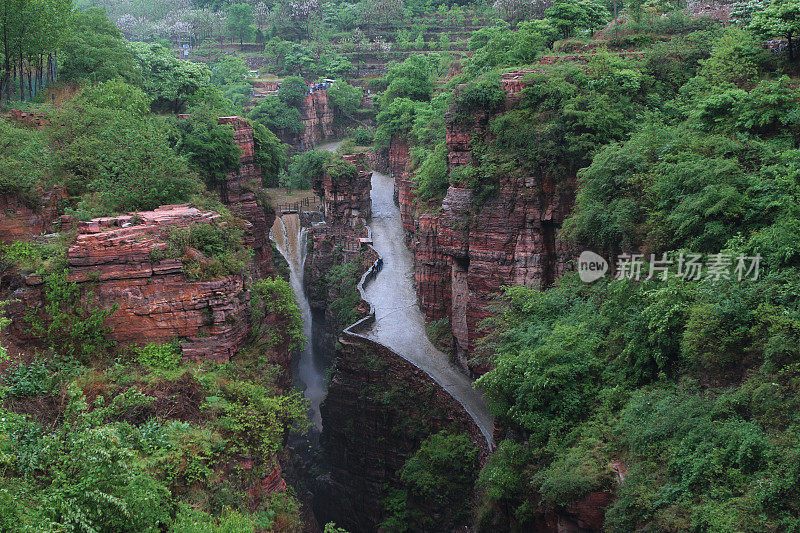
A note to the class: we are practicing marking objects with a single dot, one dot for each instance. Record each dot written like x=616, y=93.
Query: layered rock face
x=467, y=251
x=347, y=206
x=239, y=194
x=378, y=411
x=317, y=117
x=19, y=221
x=155, y=301
x=346, y=202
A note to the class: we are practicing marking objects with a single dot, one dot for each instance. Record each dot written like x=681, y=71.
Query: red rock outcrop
x=347, y=206
x=155, y=301
x=378, y=410
x=239, y=193
x=19, y=221
x=317, y=117
x=467, y=252
x=346, y=202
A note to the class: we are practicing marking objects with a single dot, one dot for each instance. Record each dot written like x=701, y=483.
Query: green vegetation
x=345, y=97
x=274, y=114
x=684, y=387
x=341, y=282
x=208, y=250
x=363, y=136
x=25, y=162
x=305, y=168
x=436, y=481
x=278, y=297
x=676, y=396
x=165, y=356
x=141, y=450
x=270, y=154
x=292, y=91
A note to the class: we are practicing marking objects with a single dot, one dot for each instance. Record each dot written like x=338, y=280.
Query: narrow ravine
x=399, y=322
x=307, y=370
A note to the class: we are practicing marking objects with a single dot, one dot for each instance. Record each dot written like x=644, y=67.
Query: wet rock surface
x=399, y=322
x=466, y=249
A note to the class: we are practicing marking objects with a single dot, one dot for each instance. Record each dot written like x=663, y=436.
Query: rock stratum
x=466, y=250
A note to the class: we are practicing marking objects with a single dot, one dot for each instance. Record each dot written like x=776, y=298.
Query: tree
x=277, y=117
x=31, y=30
x=439, y=478
x=292, y=91
x=209, y=147
x=95, y=50
x=270, y=154
x=25, y=162
x=168, y=79
x=240, y=19
x=780, y=18
x=117, y=161
x=345, y=97
x=570, y=15
x=307, y=167
x=515, y=11
x=289, y=57
x=229, y=70
x=410, y=79
x=116, y=94
x=380, y=12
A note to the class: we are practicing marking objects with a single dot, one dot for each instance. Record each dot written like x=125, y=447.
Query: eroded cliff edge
x=466, y=247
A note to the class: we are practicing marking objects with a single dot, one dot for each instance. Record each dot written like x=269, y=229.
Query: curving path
x=399, y=322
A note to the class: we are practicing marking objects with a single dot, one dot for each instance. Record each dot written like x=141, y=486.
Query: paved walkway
x=399, y=322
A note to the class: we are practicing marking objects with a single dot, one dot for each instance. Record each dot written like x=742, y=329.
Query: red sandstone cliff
x=156, y=302
x=346, y=206
x=466, y=252
x=117, y=258
x=20, y=221
x=317, y=117
x=239, y=193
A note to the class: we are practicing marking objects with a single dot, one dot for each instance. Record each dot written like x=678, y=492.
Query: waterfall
x=308, y=372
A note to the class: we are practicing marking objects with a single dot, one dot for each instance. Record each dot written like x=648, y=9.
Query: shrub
x=345, y=97
x=292, y=91
x=269, y=153
x=68, y=322
x=209, y=147
x=25, y=162
x=305, y=168
x=278, y=117
x=159, y=356
x=483, y=94
x=341, y=171
x=279, y=298
x=363, y=136
x=221, y=247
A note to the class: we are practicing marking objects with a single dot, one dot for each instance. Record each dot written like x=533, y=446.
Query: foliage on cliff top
x=209, y=147
x=26, y=162
x=208, y=250
x=113, y=158
x=277, y=116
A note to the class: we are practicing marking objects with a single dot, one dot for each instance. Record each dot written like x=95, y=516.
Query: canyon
x=466, y=250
